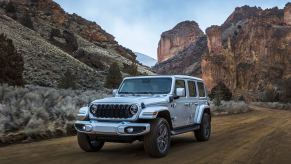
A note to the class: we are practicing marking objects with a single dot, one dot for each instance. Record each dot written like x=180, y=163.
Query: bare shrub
x=39, y=112
x=229, y=107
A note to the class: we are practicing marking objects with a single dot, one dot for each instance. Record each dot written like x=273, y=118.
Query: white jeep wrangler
x=149, y=109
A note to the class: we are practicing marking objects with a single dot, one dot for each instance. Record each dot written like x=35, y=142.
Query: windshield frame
x=145, y=77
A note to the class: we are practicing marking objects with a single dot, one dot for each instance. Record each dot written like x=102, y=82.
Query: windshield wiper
x=132, y=93
x=144, y=93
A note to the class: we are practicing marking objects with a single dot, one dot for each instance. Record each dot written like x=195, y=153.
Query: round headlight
x=133, y=109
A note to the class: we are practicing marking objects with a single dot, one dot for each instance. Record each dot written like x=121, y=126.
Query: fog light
x=88, y=128
x=129, y=130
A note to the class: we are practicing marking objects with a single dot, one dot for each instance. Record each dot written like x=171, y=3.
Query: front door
x=181, y=108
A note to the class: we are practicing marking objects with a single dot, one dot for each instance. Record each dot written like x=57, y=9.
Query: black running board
x=181, y=130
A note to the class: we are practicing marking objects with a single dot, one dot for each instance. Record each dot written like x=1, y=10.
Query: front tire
x=89, y=143
x=157, y=141
x=203, y=133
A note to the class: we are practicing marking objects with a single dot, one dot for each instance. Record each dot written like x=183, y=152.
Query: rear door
x=202, y=93
x=193, y=100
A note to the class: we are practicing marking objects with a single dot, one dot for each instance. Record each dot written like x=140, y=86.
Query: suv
x=149, y=109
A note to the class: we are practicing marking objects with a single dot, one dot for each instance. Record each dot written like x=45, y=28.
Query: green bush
x=11, y=63
x=220, y=92
x=114, y=77
x=68, y=81
x=10, y=8
x=131, y=69
x=26, y=21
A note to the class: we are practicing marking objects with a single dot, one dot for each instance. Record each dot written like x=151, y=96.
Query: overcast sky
x=138, y=24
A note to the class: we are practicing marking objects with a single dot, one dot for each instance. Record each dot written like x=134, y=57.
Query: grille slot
x=111, y=111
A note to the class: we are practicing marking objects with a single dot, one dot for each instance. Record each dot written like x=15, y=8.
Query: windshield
x=146, y=86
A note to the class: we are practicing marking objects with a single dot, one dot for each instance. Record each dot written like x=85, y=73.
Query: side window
x=201, y=89
x=192, y=89
x=180, y=84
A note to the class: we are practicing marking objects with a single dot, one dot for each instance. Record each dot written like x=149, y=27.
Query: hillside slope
x=44, y=64
x=52, y=41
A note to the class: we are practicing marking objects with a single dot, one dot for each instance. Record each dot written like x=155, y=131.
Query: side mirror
x=114, y=92
x=180, y=92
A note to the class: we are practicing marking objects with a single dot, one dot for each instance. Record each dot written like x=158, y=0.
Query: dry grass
x=33, y=113
x=229, y=107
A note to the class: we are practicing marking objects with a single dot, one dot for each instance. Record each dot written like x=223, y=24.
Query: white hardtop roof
x=171, y=76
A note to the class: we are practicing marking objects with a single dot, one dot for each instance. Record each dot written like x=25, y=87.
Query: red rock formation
x=254, y=52
x=177, y=39
x=287, y=14
x=214, y=41
x=187, y=61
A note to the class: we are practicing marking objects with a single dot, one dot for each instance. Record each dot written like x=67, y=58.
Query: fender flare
x=199, y=113
x=156, y=112
x=152, y=112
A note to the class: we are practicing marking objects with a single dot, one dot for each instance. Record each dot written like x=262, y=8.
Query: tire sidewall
x=160, y=123
x=151, y=139
x=206, y=117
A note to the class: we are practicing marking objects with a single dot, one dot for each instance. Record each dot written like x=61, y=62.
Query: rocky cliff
x=187, y=61
x=177, y=39
x=250, y=52
x=52, y=41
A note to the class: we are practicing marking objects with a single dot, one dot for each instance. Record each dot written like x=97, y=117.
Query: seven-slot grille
x=111, y=110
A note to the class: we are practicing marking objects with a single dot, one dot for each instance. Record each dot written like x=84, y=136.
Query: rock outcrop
x=187, y=62
x=249, y=52
x=287, y=14
x=214, y=42
x=177, y=39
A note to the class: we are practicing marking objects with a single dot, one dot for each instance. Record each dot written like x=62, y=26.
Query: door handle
x=195, y=103
x=187, y=104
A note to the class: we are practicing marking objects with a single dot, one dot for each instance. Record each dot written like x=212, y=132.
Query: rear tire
x=157, y=141
x=89, y=143
x=203, y=133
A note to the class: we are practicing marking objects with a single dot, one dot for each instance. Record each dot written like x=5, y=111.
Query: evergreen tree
x=133, y=68
x=114, y=76
x=68, y=81
x=11, y=63
x=26, y=21
x=10, y=8
x=220, y=92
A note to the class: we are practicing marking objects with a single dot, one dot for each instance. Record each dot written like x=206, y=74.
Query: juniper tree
x=11, y=63
x=114, y=77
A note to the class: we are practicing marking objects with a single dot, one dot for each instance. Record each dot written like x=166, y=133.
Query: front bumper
x=112, y=128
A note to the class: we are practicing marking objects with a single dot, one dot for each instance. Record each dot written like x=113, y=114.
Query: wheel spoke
x=163, y=137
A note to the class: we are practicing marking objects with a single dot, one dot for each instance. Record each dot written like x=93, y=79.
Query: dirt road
x=260, y=136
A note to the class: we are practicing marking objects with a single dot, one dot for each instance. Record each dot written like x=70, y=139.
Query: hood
x=147, y=100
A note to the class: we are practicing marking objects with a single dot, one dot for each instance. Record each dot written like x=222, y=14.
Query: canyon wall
x=177, y=39
x=250, y=52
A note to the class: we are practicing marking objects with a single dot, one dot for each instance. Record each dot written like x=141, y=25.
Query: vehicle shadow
x=137, y=149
